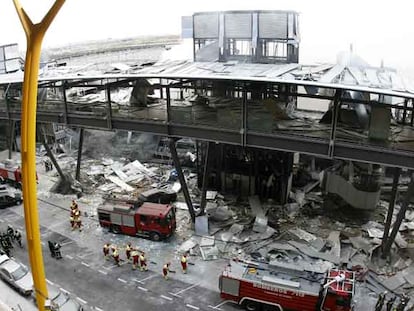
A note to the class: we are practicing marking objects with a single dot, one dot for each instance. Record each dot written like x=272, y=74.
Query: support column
x=390, y=208
x=335, y=114
x=50, y=155
x=182, y=179
x=205, y=177
x=78, y=163
x=400, y=217
x=11, y=136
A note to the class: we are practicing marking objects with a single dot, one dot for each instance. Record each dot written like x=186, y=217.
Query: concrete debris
x=399, y=240
x=120, y=183
x=395, y=281
x=303, y=235
x=201, y=225
x=207, y=241
x=222, y=213
x=211, y=195
x=187, y=245
x=209, y=252
x=311, y=252
x=260, y=222
x=375, y=233
x=409, y=275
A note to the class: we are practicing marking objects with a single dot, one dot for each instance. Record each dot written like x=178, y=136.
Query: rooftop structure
x=246, y=36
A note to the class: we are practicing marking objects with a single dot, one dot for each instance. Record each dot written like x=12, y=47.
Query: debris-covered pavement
x=314, y=231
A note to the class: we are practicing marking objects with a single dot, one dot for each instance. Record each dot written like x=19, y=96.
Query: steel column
x=400, y=217
x=108, y=108
x=50, y=154
x=78, y=163
x=394, y=190
x=11, y=137
x=334, y=122
x=65, y=102
x=205, y=177
x=168, y=97
x=181, y=177
x=243, y=130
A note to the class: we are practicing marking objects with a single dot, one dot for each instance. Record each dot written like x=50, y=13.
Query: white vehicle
x=16, y=274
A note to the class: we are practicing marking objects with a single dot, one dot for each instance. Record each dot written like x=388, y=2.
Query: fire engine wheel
x=250, y=305
x=115, y=229
x=155, y=236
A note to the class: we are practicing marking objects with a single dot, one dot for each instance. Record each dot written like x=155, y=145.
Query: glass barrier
x=386, y=122
x=290, y=115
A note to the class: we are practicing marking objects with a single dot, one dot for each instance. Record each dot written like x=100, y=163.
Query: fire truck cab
x=266, y=287
x=11, y=174
x=156, y=221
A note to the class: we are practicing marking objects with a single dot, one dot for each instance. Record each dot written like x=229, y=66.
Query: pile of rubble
x=312, y=232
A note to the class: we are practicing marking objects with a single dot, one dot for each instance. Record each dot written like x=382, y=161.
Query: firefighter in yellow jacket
x=135, y=258
x=128, y=250
x=115, y=256
x=143, y=262
x=184, y=262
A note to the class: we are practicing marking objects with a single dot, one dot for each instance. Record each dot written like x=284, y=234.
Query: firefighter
x=184, y=262
x=18, y=237
x=77, y=223
x=403, y=303
x=106, y=248
x=380, y=301
x=74, y=205
x=390, y=302
x=10, y=231
x=72, y=215
x=135, y=258
x=128, y=250
x=165, y=270
x=4, y=245
x=143, y=262
x=8, y=240
x=115, y=256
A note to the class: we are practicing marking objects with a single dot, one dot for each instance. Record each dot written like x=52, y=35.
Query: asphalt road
x=98, y=284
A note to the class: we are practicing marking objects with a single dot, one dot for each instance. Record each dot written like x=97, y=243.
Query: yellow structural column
x=34, y=36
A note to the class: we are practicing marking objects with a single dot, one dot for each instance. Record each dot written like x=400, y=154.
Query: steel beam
x=181, y=177
x=78, y=163
x=319, y=147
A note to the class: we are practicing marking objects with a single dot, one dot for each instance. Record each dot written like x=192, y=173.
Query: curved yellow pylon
x=34, y=37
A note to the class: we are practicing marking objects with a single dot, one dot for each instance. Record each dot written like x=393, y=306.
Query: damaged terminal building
x=265, y=128
x=249, y=105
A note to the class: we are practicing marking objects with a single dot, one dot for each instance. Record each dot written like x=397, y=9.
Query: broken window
x=274, y=49
x=239, y=47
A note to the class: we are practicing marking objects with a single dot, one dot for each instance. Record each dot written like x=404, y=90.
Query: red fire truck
x=156, y=221
x=264, y=287
x=11, y=173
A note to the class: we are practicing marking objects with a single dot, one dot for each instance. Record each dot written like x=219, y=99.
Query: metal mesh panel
x=11, y=51
x=273, y=25
x=206, y=26
x=238, y=25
